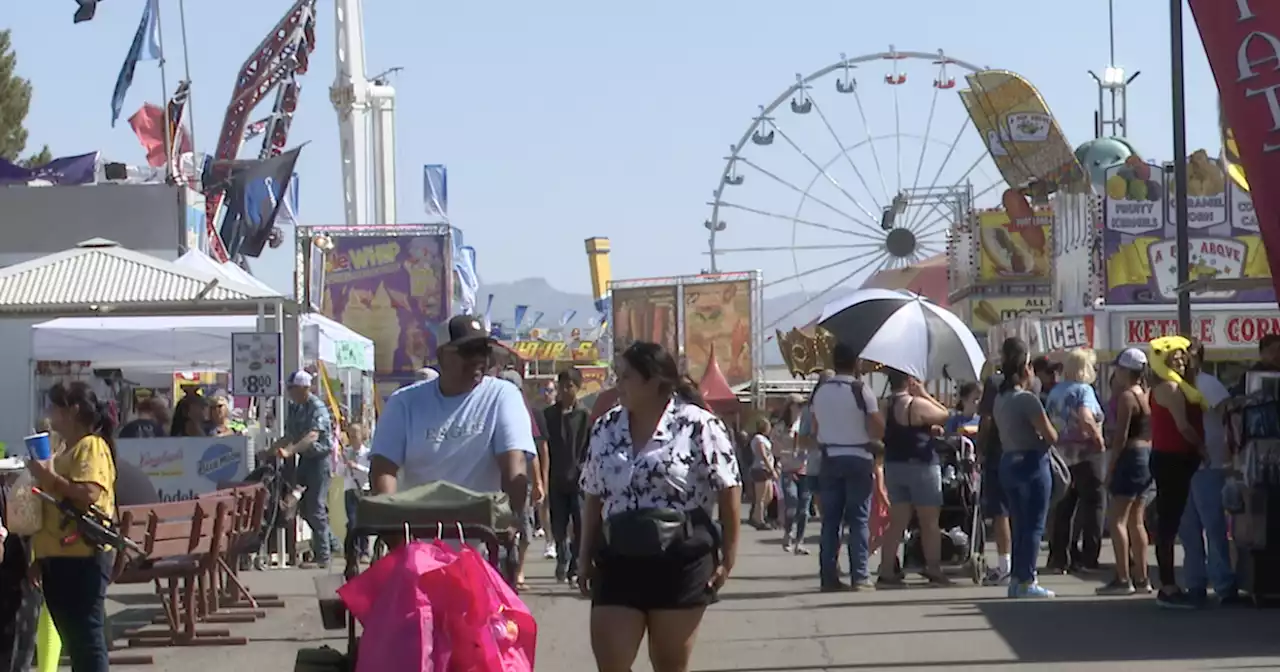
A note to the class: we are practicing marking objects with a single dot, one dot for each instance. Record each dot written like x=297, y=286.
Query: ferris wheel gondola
x=844, y=203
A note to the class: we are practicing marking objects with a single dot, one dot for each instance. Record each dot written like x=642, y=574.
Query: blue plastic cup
x=38, y=446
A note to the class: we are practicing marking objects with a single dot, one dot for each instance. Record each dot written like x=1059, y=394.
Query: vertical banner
x=1242, y=41
x=717, y=317
x=435, y=190
x=391, y=289
x=645, y=314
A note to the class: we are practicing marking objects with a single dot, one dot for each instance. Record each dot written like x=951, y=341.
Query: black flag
x=254, y=199
x=85, y=11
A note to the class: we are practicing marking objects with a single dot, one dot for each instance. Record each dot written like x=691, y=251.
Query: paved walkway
x=772, y=618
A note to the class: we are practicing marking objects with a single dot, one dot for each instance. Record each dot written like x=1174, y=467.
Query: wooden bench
x=244, y=540
x=182, y=542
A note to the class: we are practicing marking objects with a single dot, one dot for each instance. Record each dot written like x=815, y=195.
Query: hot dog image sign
x=1139, y=239
x=1014, y=244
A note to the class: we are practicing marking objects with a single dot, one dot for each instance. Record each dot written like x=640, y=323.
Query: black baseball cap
x=464, y=329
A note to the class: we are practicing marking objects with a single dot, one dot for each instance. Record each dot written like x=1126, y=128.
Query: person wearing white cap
x=1129, y=474
x=308, y=434
x=464, y=427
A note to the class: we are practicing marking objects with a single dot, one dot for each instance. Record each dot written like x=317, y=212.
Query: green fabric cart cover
x=436, y=503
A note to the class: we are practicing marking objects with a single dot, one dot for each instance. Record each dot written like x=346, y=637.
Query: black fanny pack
x=645, y=533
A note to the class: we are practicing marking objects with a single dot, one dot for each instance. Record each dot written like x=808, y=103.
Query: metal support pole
x=1180, y=165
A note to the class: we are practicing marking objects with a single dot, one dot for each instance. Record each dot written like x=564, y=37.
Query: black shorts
x=994, y=503
x=673, y=581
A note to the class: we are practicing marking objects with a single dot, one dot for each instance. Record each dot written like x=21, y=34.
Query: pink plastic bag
x=400, y=622
x=490, y=628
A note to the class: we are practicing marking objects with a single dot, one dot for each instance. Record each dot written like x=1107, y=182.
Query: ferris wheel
x=865, y=165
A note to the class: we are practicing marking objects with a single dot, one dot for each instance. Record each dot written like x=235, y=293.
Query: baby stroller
x=960, y=519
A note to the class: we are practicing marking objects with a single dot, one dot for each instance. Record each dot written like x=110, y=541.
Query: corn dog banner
x=1241, y=41
x=1045, y=334
x=1140, y=243
x=1015, y=244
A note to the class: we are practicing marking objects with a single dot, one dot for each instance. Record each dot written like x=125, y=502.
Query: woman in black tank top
x=1129, y=474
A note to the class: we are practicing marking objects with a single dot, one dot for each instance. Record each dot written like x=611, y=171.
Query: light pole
x=1112, y=80
x=1180, y=166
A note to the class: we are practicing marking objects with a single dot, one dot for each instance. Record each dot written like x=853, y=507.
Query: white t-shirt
x=761, y=445
x=842, y=427
x=1215, y=431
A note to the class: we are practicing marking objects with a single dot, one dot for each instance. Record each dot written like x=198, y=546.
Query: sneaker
x=550, y=551
x=787, y=545
x=1142, y=586
x=313, y=565
x=801, y=550
x=1115, y=587
x=539, y=533
x=1175, y=600
x=1030, y=591
x=863, y=586
x=995, y=577
x=835, y=587
x=890, y=583
x=938, y=580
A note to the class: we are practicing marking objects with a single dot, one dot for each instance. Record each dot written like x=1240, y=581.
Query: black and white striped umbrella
x=905, y=331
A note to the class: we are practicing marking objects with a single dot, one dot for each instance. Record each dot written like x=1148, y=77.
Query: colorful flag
x=568, y=315
x=179, y=140
x=145, y=47
x=1238, y=38
x=488, y=313
x=521, y=311
x=435, y=189
x=148, y=125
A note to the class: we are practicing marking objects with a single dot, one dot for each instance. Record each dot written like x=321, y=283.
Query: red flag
x=148, y=124
x=1241, y=40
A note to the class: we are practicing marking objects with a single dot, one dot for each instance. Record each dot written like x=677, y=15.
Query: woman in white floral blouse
x=652, y=557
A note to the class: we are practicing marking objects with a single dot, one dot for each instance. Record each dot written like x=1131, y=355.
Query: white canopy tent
x=169, y=343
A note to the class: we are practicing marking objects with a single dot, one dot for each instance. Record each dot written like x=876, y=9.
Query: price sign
x=256, y=364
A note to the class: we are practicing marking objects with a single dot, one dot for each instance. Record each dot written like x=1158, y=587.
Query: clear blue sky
x=568, y=119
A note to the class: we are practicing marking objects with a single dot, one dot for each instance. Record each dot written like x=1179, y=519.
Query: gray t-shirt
x=1015, y=413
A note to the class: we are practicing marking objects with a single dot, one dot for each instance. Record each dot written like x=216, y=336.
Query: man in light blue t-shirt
x=463, y=427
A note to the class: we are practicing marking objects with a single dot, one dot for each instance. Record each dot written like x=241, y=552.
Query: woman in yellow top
x=73, y=574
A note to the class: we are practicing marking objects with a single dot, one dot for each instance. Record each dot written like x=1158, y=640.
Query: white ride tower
x=366, y=122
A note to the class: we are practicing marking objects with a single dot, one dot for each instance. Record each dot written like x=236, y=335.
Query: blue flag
x=435, y=190
x=145, y=47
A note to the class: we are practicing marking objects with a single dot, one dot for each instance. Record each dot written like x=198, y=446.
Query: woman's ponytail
x=687, y=391
x=104, y=425
x=1014, y=357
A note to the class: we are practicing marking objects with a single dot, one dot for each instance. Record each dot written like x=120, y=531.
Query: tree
x=15, y=102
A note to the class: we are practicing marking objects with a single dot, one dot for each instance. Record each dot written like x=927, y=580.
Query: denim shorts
x=1132, y=473
x=913, y=483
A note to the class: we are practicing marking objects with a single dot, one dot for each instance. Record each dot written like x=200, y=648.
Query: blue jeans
x=313, y=474
x=1205, y=519
x=1027, y=486
x=845, y=485
x=796, y=498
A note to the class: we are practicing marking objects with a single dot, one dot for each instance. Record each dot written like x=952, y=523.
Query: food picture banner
x=1139, y=237
x=594, y=379
x=1240, y=40
x=1015, y=244
x=645, y=314
x=185, y=467
x=393, y=289
x=985, y=313
x=717, y=318
x=1216, y=329
x=1020, y=133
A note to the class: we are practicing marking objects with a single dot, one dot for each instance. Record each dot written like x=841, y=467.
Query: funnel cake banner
x=1242, y=41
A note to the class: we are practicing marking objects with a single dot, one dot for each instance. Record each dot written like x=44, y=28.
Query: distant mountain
x=539, y=295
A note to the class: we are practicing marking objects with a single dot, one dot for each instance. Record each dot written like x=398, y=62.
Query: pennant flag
x=537, y=317
x=148, y=125
x=85, y=10
x=488, y=313
x=520, y=313
x=435, y=189
x=145, y=47
x=256, y=197
x=568, y=315
x=179, y=141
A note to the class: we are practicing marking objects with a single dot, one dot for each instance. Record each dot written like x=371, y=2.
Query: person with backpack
x=846, y=419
